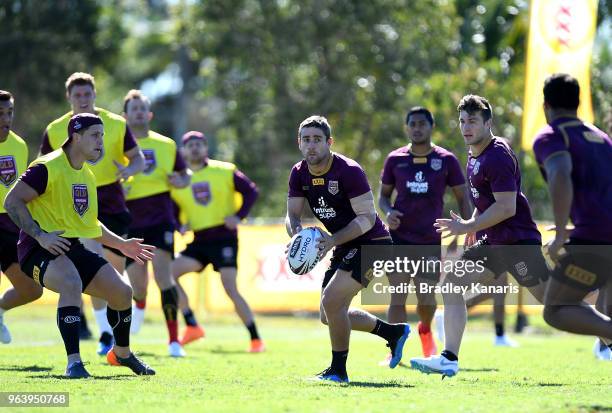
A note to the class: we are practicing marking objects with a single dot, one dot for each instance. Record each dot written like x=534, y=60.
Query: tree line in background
x=246, y=72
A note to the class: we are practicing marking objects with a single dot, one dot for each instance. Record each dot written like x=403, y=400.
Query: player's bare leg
x=228, y=279
x=112, y=287
x=180, y=266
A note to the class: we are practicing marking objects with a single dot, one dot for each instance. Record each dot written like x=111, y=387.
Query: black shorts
x=523, y=259
x=160, y=236
x=587, y=266
x=8, y=249
x=117, y=223
x=348, y=258
x=87, y=263
x=415, y=252
x=221, y=253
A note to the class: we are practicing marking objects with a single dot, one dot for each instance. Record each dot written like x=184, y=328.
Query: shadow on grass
x=380, y=385
x=219, y=350
x=483, y=370
x=597, y=408
x=62, y=377
x=32, y=369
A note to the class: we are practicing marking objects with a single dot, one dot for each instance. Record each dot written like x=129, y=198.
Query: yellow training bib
x=13, y=162
x=70, y=201
x=114, y=132
x=210, y=198
x=160, y=154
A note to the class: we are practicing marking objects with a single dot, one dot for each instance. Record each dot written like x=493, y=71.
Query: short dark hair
x=562, y=91
x=420, y=110
x=134, y=94
x=80, y=79
x=316, y=121
x=474, y=103
x=6, y=96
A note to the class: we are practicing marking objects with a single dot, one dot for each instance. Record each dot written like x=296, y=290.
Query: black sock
x=339, y=361
x=253, y=331
x=388, y=331
x=83, y=319
x=120, y=322
x=69, y=322
x=499, y=329
x=189, y=318
x=449, y=355
x=169, y=301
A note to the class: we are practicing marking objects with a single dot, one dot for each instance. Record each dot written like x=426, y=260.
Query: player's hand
x=325, y=244
x=454, y=226
x=177, y=180
x=123, y=172
x=393, y=219
x=140, y=253
x=52, y=242
x=555, y=248
x=232, y=222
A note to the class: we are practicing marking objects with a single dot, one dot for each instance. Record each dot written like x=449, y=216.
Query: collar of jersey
x=327, y=168
x=409, y=149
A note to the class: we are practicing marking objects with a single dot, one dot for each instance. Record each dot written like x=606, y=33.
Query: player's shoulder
x=61, y=122
x=300, y=167
x=401, y=152
x=443, y=152
x=215, y=164
x=546, y=134
x=17, y=139
x=107, y=116
x=344, y=162
x=49, y=158
x=161, y=138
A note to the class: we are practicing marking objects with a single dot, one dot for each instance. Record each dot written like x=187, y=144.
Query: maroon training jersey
x=329, y=194
x=496, y=169
x=420, y=182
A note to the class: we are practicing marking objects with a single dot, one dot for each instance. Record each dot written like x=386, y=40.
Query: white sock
x=103, y=325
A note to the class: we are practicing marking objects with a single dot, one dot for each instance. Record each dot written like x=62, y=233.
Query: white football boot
x=435, y=364
x=176, y=350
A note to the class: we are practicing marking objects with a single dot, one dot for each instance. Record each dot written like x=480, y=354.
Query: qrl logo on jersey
x=150, y=161
x=8, y=170
x=201, y=192
x=80, y=198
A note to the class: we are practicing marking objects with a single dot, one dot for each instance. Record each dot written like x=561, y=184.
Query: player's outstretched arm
x=136, y=163
x=293, y=220
x=131, y=247
x=180, y=179
x=503, y=208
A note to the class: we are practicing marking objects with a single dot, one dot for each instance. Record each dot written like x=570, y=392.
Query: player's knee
x=331, y=303
x=71, y=286
x=323, y=318
x=121, y=296
x=33, y=292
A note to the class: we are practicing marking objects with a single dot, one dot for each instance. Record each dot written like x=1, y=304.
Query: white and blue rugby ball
x=303, y=254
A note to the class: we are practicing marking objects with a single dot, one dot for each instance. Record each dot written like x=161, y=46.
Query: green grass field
x=550, y=372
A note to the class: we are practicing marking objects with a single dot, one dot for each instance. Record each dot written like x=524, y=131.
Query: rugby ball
x=303, y=254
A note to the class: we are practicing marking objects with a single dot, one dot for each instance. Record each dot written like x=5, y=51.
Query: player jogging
x=338, y=193
x=209, y=209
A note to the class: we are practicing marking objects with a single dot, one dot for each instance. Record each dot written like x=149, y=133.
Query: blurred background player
x=502, y=222
x=13, y=162
x=339, y=195
x=109, y=169
x=54, y=204
x=575, y=159
x=208, y=207
x=419, y=173
x=149, y=202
